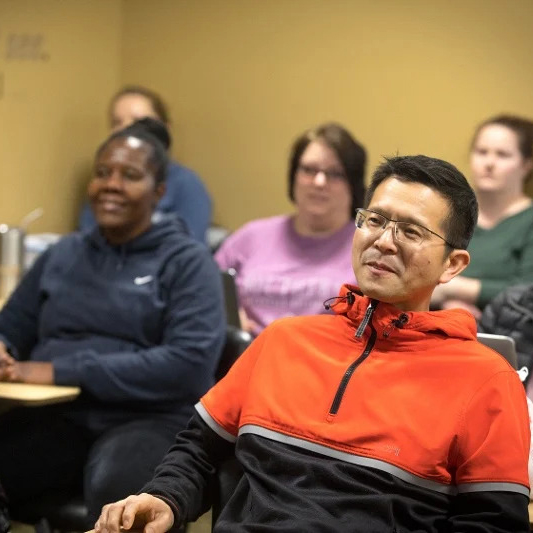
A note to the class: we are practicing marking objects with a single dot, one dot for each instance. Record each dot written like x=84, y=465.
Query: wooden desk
x=34, y=395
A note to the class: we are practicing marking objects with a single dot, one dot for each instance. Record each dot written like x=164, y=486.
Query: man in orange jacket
x=383, y=416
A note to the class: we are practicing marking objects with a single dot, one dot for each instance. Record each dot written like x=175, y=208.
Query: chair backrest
x=231, y=299
x=237, y=341
x=502, y=344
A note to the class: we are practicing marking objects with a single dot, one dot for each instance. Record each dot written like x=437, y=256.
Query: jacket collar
x=148, y=240
x=456, y=323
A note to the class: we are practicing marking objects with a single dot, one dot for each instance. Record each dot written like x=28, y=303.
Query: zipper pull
x=366, y=318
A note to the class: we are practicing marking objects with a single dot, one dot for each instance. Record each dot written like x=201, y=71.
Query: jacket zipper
x=351, y=369
x=368, y=313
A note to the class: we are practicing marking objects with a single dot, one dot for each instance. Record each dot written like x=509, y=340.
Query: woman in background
x=132, y=313
x=501, y=250
x=288, y=265
x=186, y=195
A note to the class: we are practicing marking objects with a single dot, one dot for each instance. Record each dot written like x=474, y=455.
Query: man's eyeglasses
x=331, y=175
x=405, y=232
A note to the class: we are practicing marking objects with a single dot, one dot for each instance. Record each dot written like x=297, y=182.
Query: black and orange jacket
x=371, y=419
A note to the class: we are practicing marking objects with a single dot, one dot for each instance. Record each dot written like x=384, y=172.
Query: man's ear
x=455, y=263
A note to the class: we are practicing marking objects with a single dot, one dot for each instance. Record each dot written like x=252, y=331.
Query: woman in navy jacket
x=186, y=196
x=131, y=312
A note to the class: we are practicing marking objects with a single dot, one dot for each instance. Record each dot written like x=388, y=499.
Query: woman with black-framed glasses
x=288, y=265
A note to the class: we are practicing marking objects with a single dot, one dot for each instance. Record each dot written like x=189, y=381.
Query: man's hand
x=143, y=512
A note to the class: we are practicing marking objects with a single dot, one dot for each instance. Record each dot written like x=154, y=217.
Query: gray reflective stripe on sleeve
x=350, y=458
x=213, y=424
x=493, y=487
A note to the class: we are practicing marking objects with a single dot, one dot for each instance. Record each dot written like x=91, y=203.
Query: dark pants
x=41, y=450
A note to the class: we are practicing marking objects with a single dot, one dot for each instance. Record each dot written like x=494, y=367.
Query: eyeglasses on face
x=331, y=174
x=405, y=232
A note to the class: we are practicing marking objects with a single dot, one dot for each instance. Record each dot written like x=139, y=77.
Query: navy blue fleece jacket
x=138, y=327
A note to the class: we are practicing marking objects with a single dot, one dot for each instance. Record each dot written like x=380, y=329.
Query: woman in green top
x=501, y=250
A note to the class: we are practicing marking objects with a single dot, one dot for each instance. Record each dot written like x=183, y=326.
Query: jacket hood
x=150, y=239
x=456, y=323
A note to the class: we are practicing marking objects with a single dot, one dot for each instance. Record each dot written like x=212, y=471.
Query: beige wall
x=52, y=102
x=243, y=78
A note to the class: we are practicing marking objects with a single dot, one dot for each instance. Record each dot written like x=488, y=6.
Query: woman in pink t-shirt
x=288, y=265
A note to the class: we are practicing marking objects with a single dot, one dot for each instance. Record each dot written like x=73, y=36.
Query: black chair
x=54, y=511
x=230, y=472
x=62, y=511
x=237, y=341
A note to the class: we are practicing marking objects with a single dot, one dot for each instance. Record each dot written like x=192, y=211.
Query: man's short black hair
x=443, y=178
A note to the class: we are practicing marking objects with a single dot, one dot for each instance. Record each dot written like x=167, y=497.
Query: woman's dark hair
x=522, y=127
x=157, y=103
x=351, y=154
x=443, y=178
x=152, y=132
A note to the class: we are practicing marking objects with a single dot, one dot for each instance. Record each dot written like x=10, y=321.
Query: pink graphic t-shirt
x=281, y=273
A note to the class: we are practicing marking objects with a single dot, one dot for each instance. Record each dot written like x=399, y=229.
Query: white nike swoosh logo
x=141, y=280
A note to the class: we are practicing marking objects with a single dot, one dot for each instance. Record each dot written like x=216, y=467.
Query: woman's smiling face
x=123, y=192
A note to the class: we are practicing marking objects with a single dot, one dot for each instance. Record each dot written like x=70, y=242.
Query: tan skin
x=123, y=194
x=142, y=512
x=400, y=274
